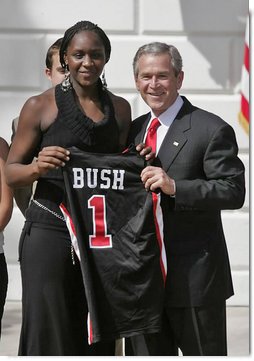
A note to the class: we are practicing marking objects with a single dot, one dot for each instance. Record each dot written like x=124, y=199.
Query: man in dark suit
x=199, y=174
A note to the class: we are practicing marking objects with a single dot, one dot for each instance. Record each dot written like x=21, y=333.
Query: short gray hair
x=157, y=48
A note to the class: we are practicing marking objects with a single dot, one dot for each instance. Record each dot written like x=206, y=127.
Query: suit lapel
x=176, y=137
x=145, y=122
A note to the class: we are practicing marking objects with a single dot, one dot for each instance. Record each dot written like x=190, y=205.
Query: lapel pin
x=176, y=143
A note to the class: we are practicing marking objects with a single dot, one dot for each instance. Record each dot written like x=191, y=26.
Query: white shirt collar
x=167, y=117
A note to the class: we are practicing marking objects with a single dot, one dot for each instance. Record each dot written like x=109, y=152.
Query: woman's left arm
x=123, y=116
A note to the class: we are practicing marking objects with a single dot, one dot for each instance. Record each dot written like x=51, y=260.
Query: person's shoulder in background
x=14, y=126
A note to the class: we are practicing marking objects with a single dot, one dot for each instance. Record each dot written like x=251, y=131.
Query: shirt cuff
x=174, y=186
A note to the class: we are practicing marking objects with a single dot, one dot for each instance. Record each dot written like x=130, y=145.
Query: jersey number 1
x=99, y=239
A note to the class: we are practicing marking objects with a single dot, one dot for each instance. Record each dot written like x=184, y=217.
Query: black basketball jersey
x=116, y=228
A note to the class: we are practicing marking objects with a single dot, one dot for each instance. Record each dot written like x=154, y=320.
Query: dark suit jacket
x=199, y=152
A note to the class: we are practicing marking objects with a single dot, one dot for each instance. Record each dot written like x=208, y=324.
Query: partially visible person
x=6, y=206
x=199, y=173
x=79, y=112
x=54, y=70
x=55, y=73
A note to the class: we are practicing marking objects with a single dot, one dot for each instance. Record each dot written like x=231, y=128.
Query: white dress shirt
x=166, y=119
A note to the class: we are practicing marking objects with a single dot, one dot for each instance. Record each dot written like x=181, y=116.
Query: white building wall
x=210, y=37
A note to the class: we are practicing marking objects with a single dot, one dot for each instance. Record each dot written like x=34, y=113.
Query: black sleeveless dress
x=54, y=310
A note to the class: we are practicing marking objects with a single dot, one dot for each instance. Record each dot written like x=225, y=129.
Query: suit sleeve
x=223, y=186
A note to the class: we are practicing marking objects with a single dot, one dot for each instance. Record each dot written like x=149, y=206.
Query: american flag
x=244, y=111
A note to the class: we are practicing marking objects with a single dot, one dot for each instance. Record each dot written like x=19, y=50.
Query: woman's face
x=85, y=57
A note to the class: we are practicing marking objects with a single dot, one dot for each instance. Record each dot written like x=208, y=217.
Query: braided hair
x=81, y=26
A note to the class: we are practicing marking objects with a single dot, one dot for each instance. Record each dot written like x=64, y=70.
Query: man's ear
x=180, y=80
x=48, y=73
x=136, y=82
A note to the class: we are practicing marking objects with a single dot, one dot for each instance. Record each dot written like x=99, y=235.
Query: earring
x=103, y=80
x=66, y=83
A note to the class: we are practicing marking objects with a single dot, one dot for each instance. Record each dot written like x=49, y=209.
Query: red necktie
x=151, y=137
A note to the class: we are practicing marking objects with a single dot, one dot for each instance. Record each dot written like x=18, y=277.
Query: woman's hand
x=52, y=157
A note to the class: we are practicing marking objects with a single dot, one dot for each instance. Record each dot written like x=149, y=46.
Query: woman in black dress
x=79, y=112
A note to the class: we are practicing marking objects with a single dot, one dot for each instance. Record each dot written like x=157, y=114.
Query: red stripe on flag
x=247, y=58
x=245, y=108
x=244, y=111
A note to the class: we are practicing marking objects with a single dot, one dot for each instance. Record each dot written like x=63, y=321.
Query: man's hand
x=146, y=152
x=155, y=177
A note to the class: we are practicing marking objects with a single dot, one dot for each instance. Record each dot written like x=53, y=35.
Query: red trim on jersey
x=71, y=229
x=126, y=150
x=159, y=234
x=74, y=241
x=90, y=329
x=67, y=215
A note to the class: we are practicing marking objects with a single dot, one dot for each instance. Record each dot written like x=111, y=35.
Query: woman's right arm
x=6, y=194
x=21, y=169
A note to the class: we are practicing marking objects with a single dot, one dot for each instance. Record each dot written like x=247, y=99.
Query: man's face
x=56, y=73
x=157, y=82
